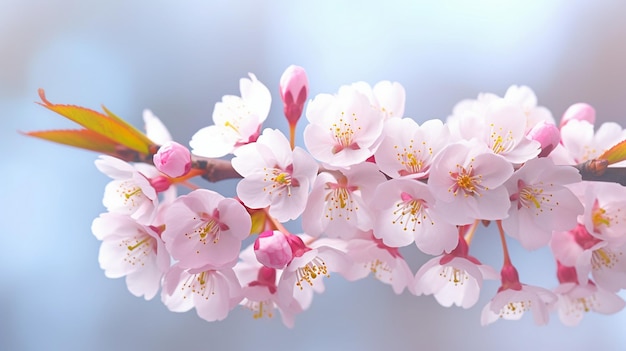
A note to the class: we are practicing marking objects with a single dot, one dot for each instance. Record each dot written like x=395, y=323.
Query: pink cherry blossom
x=204, y=228
x=525, y=98
x=260, y=290
x=130, y=191
x=454, y=278
x=213, y=293
x=345, y=129
x=274, y=175
x=575, y=299
x=406, y=214
x=466, y=180
x=579, y=142
x=337, y=203
x=237, y=120
x=370, y=255
x=132, y=250
x=388, y=97
x=540, y=203
x=514, y=299
x=311, y=262
x=604, y=216
x=408, y=149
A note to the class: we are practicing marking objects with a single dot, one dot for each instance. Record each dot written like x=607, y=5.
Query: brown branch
x=598, y=170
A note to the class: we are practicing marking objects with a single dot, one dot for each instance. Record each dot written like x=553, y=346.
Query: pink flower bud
x=294, y=87
x=160, y=183
x=547, y=134
x=579, y=111
x=173, y=159
x=272, y=249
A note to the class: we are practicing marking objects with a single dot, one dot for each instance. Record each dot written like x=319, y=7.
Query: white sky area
x=178, y=59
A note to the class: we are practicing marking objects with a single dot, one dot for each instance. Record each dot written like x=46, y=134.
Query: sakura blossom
x=407, y=214
x=344, y=129
x=371, y=256
x=338, y=202
x=389, y=97
x=237, y=120
x=367, y=185
x=467, y=182
x=213, y=293
x=274, y=175
x=408, y=149
x=540, y=202
x=130, y=191
x=453, y=278
x=203, y=228
x=133, y=250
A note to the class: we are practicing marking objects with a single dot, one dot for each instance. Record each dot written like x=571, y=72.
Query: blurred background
x=178, y=60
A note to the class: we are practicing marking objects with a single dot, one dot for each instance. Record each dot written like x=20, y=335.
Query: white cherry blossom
x=237, y=120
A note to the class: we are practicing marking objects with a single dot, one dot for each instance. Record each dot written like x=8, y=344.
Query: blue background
x=178, y=60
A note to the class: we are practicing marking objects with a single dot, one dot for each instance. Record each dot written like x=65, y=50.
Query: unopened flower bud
x=579, y=111
x=294, y=87
x=272, y=249
x=547, y=134
x=160, y=183
x=173, y=159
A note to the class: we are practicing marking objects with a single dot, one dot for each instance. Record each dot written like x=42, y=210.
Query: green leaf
x=615, y=154
x=108, y=126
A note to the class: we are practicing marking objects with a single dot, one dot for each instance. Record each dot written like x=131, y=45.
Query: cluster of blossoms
x=369, y=182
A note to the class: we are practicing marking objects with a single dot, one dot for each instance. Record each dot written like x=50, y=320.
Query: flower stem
x=505, y=249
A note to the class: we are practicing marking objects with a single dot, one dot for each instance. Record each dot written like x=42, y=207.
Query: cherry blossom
x=303, y=275
x=345, y=129
x=466, y=180
x=525, y=98
x=406, y=214
x=514, y=299
x=130, y=191
x=213, y=293
x=575, y=299
x=274, y=175
x=237, y=120
x=371, y=255
x=605, y=211
x=204, y=228
x=260, y=290
x=408, y=149
x=454, y=278
x=579, y=142
x=540, y=203
x=133, y=250
x=337, y=202
x=388, y=97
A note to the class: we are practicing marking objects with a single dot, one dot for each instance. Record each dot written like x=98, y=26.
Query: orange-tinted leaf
x=615, y=154
x=108, y=126
x=81, y=138
x=259, y=219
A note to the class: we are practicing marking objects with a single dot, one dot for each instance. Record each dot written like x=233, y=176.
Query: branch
x=598, y=170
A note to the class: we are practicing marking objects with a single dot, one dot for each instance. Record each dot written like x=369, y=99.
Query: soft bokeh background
x=178, y=60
